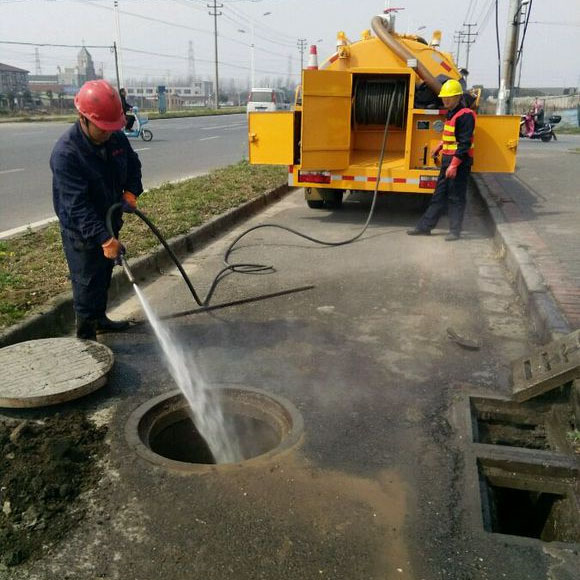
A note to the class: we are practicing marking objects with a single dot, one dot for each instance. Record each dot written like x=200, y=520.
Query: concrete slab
x=49, y=371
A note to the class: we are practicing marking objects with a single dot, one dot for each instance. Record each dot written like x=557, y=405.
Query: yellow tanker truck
x=331, y=141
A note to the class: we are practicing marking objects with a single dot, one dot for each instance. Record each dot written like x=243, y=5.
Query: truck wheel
x=315, y=203
x=546, y=138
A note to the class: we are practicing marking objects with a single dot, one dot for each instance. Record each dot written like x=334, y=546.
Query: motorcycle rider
x=128, y=110
x=93, y=167
x=534, y=118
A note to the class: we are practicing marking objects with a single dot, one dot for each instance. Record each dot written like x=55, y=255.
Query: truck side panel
x=496, y=143
x=271, y=138
x=326, y=125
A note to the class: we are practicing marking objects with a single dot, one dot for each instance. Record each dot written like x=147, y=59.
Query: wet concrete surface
x=376, y=487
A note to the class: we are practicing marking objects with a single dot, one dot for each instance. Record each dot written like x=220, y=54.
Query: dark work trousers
x=450, y=195
x=90, y=274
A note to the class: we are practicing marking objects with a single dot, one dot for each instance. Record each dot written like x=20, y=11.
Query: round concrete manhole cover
x=51, y=371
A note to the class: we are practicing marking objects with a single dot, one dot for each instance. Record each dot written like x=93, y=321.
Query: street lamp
x=252, y=46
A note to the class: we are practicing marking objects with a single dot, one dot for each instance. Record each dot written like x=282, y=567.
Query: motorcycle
x=138, y=130
x=543, y=131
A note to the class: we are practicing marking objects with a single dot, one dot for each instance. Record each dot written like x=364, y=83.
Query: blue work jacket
x=87, y=180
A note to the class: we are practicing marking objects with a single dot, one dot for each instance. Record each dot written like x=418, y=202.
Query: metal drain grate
x=550, y=366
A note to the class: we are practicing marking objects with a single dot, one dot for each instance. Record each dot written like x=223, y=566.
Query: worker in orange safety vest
x=457, y=149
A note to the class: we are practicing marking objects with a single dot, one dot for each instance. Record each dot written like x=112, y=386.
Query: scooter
x=137, y=130
x=543, y=131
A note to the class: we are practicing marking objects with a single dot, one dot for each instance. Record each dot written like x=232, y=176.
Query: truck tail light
x=427, y=181
x=314, y=176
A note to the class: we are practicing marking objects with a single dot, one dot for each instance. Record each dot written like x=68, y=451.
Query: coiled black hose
x=249, y=268
x=373, y=99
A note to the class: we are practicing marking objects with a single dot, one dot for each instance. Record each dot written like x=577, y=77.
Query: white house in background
x=199, y=93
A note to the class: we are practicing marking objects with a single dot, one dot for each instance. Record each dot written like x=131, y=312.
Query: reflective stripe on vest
x=448, y=138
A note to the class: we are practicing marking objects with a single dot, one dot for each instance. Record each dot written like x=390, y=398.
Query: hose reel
x=372, y=100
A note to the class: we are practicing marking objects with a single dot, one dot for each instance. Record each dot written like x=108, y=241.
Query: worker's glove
x=113, y=249
x=451, y=172
x=129, y=202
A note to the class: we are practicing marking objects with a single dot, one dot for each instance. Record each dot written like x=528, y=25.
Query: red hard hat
x=100, y=103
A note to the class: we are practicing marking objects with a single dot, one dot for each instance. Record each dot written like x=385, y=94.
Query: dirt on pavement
x=45, y=466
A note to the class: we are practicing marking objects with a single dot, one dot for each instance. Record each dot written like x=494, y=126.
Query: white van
x=267, y=100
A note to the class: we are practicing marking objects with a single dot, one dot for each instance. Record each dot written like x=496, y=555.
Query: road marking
x=208, y=138
x=32, y=227
x=11, y=171
x=142, y=149
x=221, y=127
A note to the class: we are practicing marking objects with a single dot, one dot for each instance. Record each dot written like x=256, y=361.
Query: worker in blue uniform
x=94, y=167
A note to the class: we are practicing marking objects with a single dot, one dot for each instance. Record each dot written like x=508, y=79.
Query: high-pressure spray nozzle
x=127, y=269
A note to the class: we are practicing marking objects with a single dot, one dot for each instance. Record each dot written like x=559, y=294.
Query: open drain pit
x=163, y=432
x=519, y=504
x=541, y=424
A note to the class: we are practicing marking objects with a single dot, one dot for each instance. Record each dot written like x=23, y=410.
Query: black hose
x=255, y=268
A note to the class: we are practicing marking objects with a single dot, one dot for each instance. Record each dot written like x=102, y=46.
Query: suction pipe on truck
x=404, y=53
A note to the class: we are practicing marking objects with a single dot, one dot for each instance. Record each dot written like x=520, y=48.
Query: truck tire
x=315, y=203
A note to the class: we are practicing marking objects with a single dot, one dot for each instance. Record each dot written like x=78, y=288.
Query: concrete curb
x=57, y=318
x=545, y=314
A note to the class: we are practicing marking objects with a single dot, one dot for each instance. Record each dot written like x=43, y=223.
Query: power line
x=497, y=42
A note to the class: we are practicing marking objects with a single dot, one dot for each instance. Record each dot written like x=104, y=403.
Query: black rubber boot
x=86, y=329
x=105, y=324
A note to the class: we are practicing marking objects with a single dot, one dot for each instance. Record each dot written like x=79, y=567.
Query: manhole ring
x=162, y=419
x=50, y=371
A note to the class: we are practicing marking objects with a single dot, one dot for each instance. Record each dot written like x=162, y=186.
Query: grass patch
x=33, y=268
x=567, y=130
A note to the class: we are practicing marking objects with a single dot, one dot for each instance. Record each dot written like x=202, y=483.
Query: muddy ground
x=46, y=464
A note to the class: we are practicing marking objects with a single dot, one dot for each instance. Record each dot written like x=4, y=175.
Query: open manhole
x=518, y=504
x=260, y=425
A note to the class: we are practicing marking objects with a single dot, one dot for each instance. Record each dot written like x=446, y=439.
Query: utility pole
x=215, y=15
x=469, y=42
x=457, y=38
x=504, y=97
x=117, y=44
x=117, y=66
x=301, y=48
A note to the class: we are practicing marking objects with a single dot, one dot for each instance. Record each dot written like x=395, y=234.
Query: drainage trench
x=527, y=465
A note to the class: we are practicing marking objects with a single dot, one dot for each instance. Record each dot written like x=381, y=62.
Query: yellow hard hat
x=451, y=88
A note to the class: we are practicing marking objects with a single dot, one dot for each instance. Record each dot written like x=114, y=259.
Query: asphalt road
x=180, y=148
x=376, y=488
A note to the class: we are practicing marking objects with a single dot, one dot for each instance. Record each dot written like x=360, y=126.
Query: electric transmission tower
x=37, y=69
x=191, y=63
